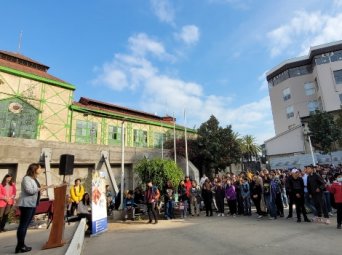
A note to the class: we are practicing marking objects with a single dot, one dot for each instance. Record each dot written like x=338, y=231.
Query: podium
x=57, y=230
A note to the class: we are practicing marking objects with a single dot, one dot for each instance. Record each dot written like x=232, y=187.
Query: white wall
x=289, y=142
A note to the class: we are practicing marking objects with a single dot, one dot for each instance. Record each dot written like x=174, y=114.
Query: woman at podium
x=27, y=203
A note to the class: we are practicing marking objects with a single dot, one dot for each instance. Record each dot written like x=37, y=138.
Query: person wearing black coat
x=256, y=194
x=289, y=192
x=219, y=197
x=296, y=187
x=207, y=196
x=316, y=186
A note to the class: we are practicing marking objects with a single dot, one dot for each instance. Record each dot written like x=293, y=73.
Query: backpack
x=156, y=193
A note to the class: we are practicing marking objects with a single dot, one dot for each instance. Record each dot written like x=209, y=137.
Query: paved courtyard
x=218, y=235
x=36, y=238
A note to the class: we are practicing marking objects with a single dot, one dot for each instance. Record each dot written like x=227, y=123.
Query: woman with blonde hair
x=256, y=194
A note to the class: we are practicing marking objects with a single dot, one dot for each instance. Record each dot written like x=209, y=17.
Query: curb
x=76, y=244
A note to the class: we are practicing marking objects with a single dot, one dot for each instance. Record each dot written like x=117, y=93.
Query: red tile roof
x=21, y=63
x=98, y=105
x=19, y=56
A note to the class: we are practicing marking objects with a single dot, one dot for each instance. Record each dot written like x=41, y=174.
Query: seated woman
x=84, y=210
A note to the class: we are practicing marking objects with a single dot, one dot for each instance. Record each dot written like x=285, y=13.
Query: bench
x=45, y=207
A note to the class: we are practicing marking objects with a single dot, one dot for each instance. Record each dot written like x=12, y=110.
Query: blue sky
x=164, y=56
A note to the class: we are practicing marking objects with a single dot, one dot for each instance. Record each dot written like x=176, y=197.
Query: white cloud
x=238, y=4
x=165, y=93
x=338, y=3
x=331, y=31
x=262, y=79
x=164, y=10
x=304, y=30
x=168, y=94
x=142, y=45
x=236, y=54
x=115, y=79
x=189, y=34
x=125, y=71
x=130, y=70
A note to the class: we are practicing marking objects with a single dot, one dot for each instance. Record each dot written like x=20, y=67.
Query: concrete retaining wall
x=76, y=245
x=16, y=154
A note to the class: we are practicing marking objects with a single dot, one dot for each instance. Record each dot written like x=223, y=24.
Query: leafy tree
x=159, y=171
x=218, y=146
x=209, y=143
x=339, y=124
x=215, y=147
x=180, y=148
x=230, y=152
x=249, y=147
x=193, y=150
x=323, y=131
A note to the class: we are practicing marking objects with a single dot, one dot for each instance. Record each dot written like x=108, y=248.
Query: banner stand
x=98, y=203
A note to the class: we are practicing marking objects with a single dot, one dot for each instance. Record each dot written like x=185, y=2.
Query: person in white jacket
x=84, y=210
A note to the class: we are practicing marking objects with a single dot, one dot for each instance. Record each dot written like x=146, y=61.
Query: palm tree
x=249, y=147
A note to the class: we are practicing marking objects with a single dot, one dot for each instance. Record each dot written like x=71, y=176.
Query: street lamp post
x=174, y=139
x=122, y=163
x=162, y=140
x=312, y=154
x=307, y=133
x=186, y=146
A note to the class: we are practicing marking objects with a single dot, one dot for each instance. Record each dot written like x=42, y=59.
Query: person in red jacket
x=336, y=189
x=188, y=185
x=152, y=195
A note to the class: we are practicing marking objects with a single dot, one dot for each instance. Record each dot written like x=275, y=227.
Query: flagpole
x=174, y=139
x=162, y=141
x=20, y=40
x=186, y=145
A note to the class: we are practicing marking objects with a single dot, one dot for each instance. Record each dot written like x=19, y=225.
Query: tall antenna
x=20, y=38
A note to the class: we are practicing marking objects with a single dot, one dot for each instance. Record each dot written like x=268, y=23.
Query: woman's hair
x=4, y=180
x=169, y=184
x=207, y=185
x=31, y=170
x=84, y=199
x=258, y=180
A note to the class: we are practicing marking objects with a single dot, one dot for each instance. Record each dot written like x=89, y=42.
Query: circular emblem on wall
x=15, y=107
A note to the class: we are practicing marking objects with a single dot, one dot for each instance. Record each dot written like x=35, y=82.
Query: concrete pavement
x=218, y=235
x=35, y=238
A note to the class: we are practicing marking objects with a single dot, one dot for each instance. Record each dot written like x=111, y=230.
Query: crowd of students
x=315, y=189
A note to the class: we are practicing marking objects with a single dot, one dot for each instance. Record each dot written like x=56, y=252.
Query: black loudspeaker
x=66, y=164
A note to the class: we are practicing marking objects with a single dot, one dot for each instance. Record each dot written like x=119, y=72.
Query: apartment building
x=297, y=87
